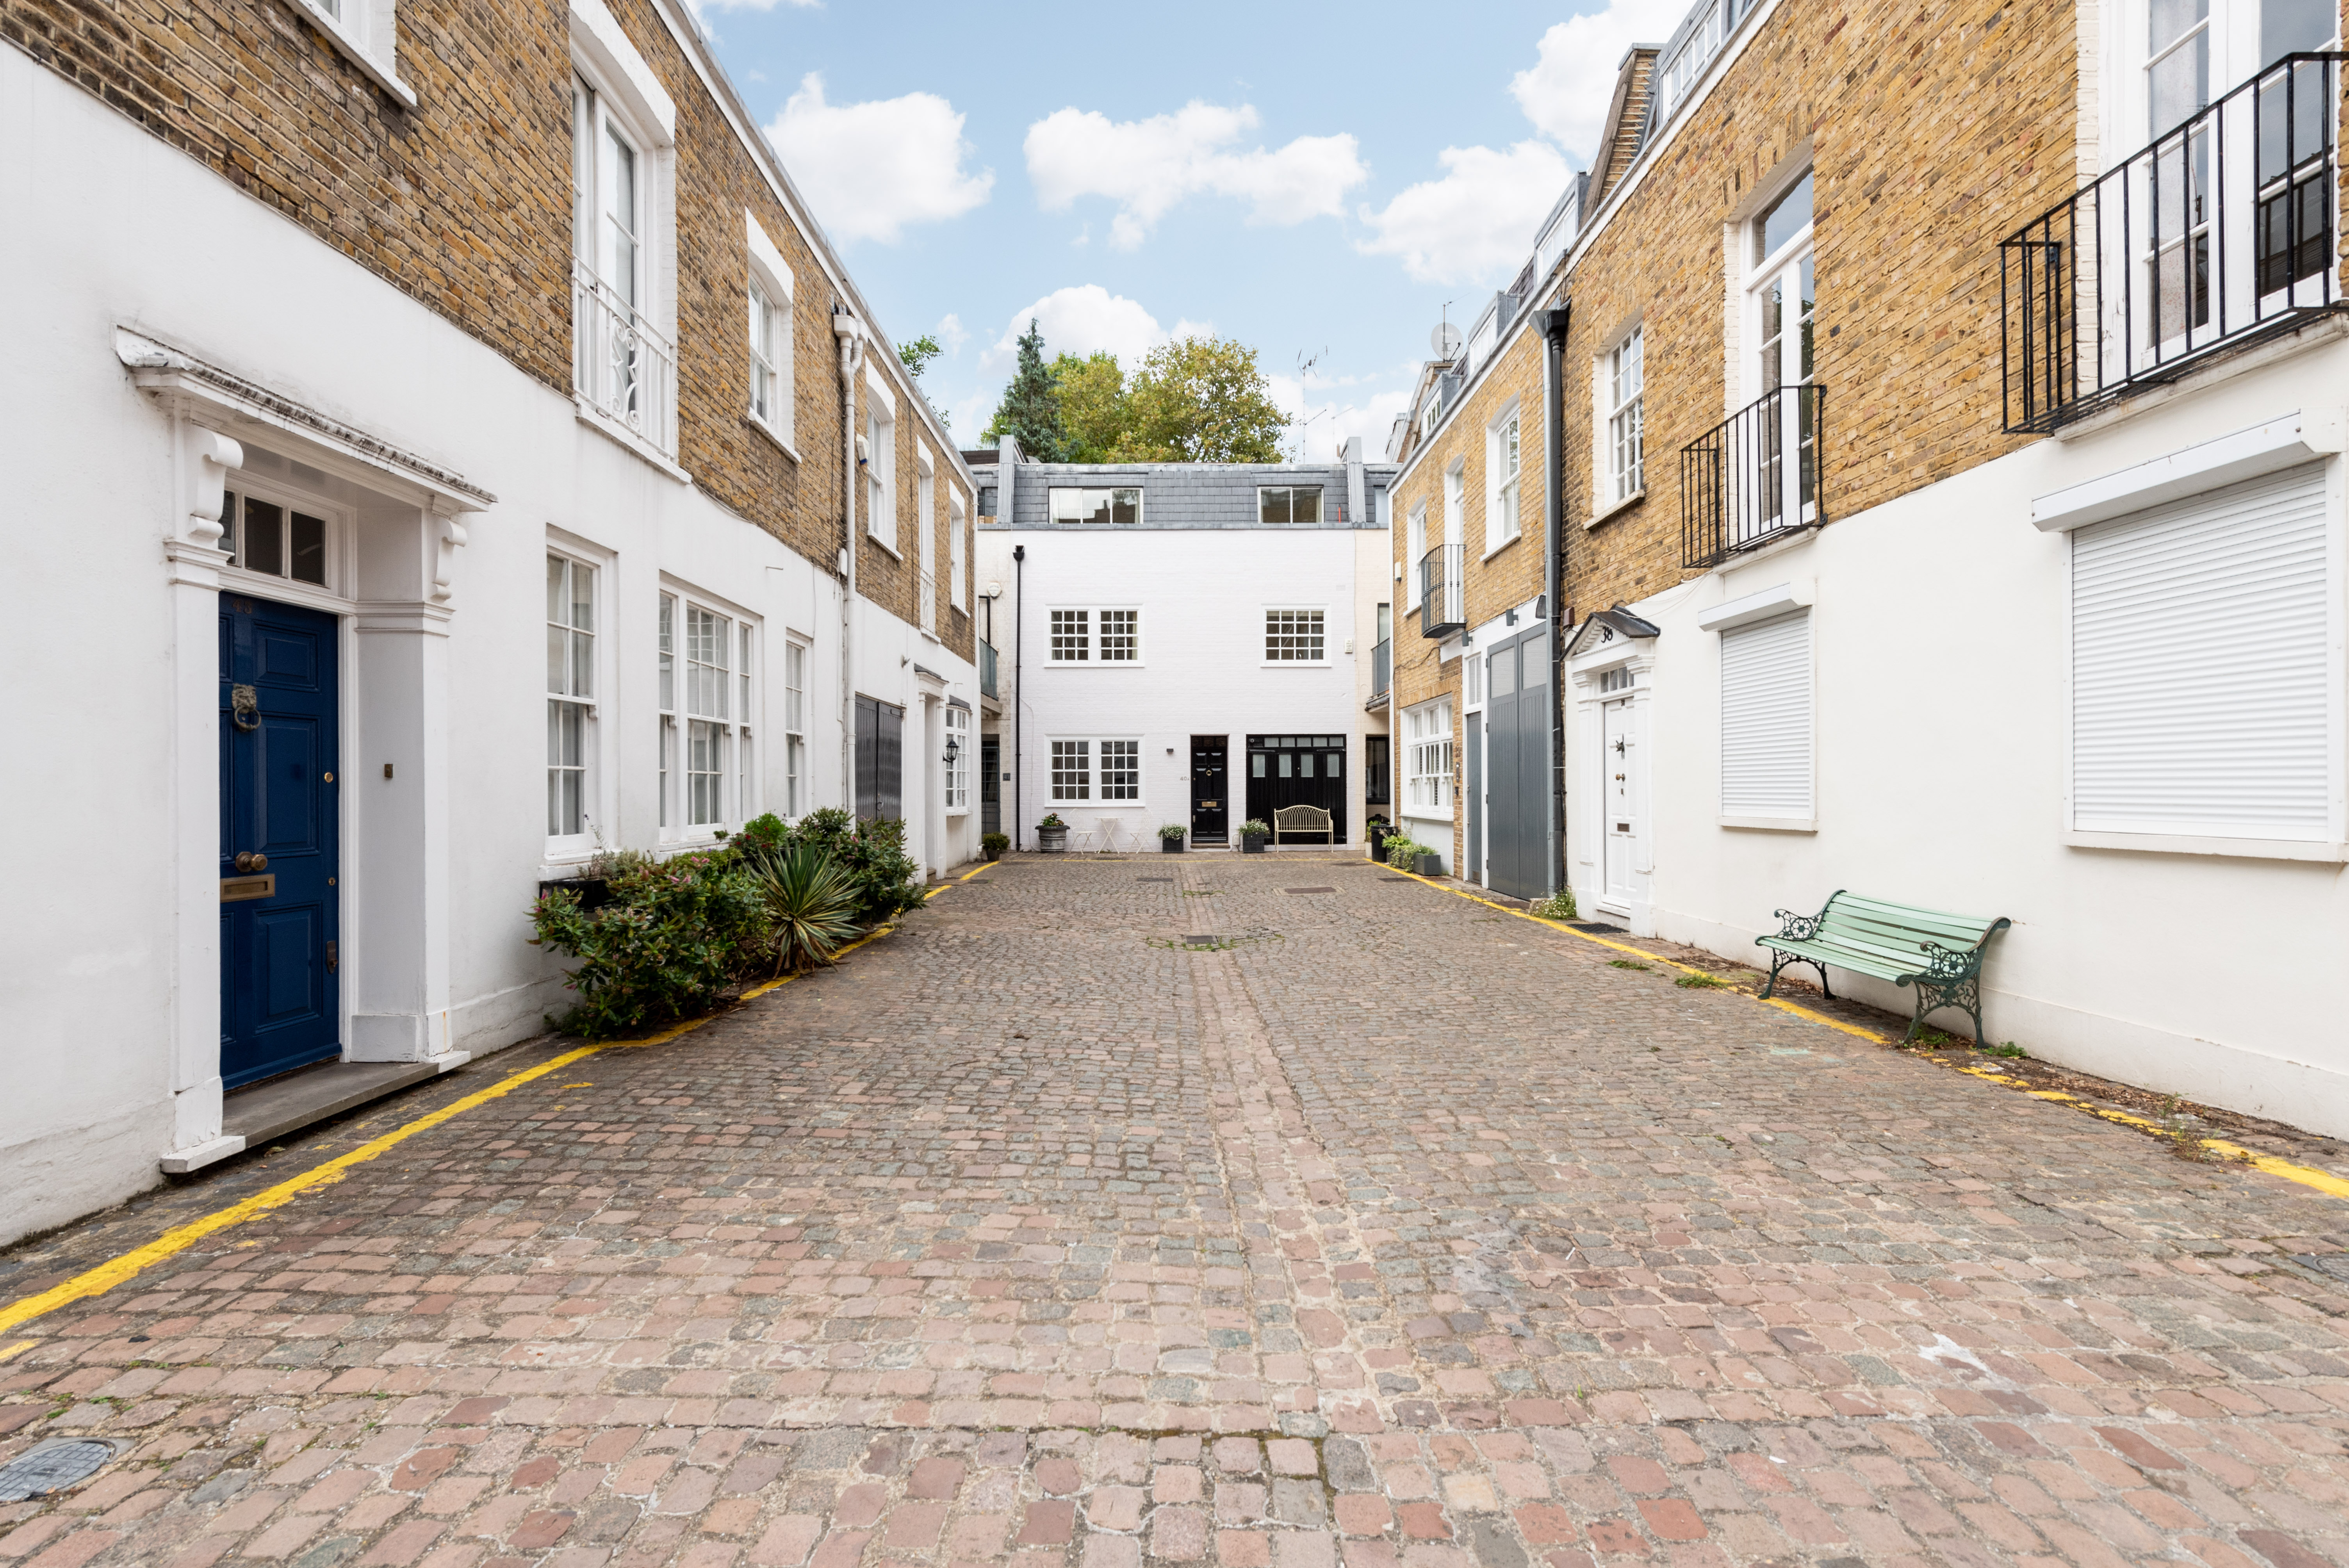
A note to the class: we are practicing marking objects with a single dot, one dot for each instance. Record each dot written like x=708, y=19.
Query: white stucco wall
x=111, y=937
x=1941, y=668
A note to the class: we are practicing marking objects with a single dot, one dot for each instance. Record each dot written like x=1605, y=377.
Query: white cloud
x=950, y=333
x=1566, y=91
x=1084, y=319
x=871, y=169
x=1477, y=222
x=1147, y=166
x=1323, y=421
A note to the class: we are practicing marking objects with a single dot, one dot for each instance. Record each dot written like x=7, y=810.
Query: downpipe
x=850, y=333
x=1554, y=324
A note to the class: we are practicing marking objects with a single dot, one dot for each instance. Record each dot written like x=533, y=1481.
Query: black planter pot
x=1170, y=846
x=1251, y=843
x=594, y=892
x=1428, y=865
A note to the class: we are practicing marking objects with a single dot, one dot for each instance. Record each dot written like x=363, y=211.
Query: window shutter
x=2199, y=632
x=1765, y=719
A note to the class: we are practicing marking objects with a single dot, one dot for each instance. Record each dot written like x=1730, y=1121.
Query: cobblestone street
x=1386, y=1228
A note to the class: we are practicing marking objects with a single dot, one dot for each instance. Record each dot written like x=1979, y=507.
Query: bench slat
x=1906, y=957
x=1868, y=934
x=1883, y=966
x=1912, y=914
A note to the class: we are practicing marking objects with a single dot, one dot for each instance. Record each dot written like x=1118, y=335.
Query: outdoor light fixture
x=954, y=749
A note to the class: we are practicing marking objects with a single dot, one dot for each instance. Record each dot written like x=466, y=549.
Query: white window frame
x=585, y=705
x=1078, y=508
x=958, y=775
x=1504, y=481
x=795, y=711
x=1414, y=551
x=2236, y=54
x=880, y=437
x=245, y=485
x=1096, y=637
x=622, y=93
x=732, y=728
x=667, y=622
x=1427, y=760
x=958, y=549
x=1623, y=418
x=366, y=34
x=926, y=527
x=1320, y=515
x=770, y=275
x=1091, y=777
x=1268, y=631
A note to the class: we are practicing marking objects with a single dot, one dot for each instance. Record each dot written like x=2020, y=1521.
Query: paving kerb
x=1393, y=1234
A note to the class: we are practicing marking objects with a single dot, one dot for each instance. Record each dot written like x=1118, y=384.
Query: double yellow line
x=2324, y=1182
x=129, y=1265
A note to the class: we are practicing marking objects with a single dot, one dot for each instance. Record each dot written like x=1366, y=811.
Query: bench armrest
x=1942, y=963
x=1801, y=927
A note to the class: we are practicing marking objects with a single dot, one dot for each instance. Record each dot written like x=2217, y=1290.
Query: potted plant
x=1426, y=861
x=1052, y=835
x=1374, y=837
x=992, y=845
x=1171, y=837
x=1253, y=833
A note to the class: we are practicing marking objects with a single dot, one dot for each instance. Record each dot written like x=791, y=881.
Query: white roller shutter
x=2199, y=699
x=1765, y=719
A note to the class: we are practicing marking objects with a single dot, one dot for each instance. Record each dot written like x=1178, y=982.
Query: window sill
x=957, y=810
x=1774, y=824
x=386, y=77
x=880, y=544
x=773, y=435
x=2194, y=844
x=1498, y=548
x=1095, y=665
x=1626, y=504
x=1295, y=664
x=595, y=419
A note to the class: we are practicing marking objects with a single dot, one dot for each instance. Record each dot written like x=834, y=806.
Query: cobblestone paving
x=1381, y=1229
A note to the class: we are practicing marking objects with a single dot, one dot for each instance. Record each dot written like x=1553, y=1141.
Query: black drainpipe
x=1018, y=686
x=1554, y=324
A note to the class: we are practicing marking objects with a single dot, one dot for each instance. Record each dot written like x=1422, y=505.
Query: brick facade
x=464, y=203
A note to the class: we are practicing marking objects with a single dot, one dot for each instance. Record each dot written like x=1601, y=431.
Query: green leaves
x=810, y=907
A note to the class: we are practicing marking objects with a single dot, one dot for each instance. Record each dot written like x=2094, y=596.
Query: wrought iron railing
x=619, y=364
x=1382, y=668
x=1754, y=475
x=987, y=671
x=1439, y=591
x=2223, y=232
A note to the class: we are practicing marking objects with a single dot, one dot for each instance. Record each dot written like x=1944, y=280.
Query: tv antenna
x=1305, y=365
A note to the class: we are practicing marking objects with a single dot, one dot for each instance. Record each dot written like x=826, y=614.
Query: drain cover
x=1308, y=889
x=1155, y=879
x=2335, y=1264
x=44, y=1471
x=1594, y=925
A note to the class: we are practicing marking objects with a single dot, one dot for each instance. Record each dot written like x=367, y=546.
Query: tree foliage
x=916, y=355
x=1194, y=400
x=1031, y=412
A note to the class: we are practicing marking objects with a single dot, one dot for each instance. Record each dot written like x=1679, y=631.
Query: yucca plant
x=812, y=907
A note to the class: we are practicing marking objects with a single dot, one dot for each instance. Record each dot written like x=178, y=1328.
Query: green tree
x=1029, y=412
x=1201, y=400
x=918, y=353
x=1091, y=393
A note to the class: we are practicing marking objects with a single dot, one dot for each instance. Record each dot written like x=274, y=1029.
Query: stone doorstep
x=251, y=1116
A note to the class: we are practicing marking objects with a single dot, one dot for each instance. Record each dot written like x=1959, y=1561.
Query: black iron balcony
x=987, y=671
x=1381, y=670
x=2220, y=233
x=1439, y=592
x=1754, y=477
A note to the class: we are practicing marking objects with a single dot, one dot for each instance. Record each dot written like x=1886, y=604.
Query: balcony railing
x=1382, y=669
x=987, y=671
x=620, y=365
x=2221, y=232
x=1439, y=592
x=1753, y=477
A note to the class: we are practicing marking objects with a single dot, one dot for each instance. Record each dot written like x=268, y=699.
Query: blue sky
x=1316, y=184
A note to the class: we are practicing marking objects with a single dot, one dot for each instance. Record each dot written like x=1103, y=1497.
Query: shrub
x=674, y=933
x=1256, y=827
x=1404, y=854
x=811, y=906
x=1559, y=908
x=1174, y=831
x=992, y=845
x=871, y=855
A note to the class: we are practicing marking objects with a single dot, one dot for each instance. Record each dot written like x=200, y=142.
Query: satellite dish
x=1444, y=340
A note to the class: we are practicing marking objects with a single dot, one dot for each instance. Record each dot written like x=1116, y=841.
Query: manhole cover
x=1308, y=889
x=44, y=1471
x=2335, y=1264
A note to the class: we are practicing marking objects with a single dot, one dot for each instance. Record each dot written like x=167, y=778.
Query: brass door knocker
x=245, y=708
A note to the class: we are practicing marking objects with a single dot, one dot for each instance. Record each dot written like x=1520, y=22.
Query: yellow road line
x=17, y=1349
x=129, y=1265
x=2324, y=1182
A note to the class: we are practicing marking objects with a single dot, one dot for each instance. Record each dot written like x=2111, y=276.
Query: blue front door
x=280, y=1007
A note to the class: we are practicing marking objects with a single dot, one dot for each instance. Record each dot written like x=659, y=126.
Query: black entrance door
x=1211, y=807
x=880, y=760
x=991, y=784
x=280, y=1006
x=1297, y=770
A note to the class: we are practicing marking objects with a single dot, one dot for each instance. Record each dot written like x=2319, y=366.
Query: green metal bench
x=1938, y=952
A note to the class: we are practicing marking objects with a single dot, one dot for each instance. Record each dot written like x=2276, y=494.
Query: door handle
x=334, y=958
x=249, y=862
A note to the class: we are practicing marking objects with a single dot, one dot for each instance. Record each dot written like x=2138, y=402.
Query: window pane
x=1071, y=638
x=1126, y=506
x=1121, y=640
x=1304, y=764
x=1783, y=218
x=668, y=653
x=1272, y=506
x=264, y=538
x=2291, y=26
x=1256, y=763
x=309, y=548
x=1305, y=505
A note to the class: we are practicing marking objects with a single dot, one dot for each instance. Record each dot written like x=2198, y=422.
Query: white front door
x=1618, y=764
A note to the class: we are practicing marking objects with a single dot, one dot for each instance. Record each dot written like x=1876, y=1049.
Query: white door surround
x=1610, y=672
x=393, y=606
